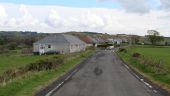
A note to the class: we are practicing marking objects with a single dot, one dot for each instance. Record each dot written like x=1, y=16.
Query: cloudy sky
x=107, y=16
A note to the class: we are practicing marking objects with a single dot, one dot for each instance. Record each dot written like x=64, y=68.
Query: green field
x=145, y=63
x=31, y=82
x=156, y=53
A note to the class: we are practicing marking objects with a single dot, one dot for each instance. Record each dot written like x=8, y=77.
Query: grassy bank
x=15, y=60
x=31, y=82
x=152, y=62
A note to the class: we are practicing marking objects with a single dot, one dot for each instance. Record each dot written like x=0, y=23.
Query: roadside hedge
x=41, y=65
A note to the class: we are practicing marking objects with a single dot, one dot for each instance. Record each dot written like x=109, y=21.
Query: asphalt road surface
x=104, y=75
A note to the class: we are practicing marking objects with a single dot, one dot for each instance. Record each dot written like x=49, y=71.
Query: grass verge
x=14, y=60
x=153, y=63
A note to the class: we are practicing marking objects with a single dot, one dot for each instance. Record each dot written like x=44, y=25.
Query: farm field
x=156, y=53
x=153, y=62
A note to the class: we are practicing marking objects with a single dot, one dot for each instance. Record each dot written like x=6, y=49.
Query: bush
x=102, y=45
x=137, y=55
x=38, y=66
x=3, y=50
x=12, y=46
x=122, y=50
x=45, y=64
x=90, y=48
x=36, y=53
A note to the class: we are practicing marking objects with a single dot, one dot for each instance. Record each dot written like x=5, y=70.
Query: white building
x=59, y=43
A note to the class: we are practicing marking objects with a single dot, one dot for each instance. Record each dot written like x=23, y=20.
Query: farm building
x=61, y=43
x=87, y=39
x=118, y=40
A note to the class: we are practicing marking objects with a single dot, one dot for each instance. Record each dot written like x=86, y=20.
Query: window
x=49, y=46
x=76, y=45
x=72, y=46
x=41, y=47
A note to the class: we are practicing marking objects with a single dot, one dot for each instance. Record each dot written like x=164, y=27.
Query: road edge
x=59, y=82
x=153, y=86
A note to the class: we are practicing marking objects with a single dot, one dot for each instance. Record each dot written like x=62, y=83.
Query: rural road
x=104, y=75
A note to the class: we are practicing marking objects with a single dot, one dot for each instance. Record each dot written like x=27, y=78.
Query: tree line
x=18, y=40
x=152, y=36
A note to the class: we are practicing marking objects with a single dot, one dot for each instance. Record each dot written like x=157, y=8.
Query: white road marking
x=67, y=77
x=148, y=84
x=127, y=67
x=137, y=76
x=141, y=80
x=49, y=93
x=155, y=91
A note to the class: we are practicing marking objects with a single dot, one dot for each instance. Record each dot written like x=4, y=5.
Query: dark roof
x=61, y=38
x=98, y=40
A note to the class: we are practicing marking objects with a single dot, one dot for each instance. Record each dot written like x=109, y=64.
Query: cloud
x=91, y=20
x=86, y=20
x=165, y=4
x=27, y=19
x=137, y=6
x=3, y=15
x=55, y=19
x=142, y=6
x=2, y=12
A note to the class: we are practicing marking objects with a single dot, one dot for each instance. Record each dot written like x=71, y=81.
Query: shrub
x=36, y=53
x=38, y=66
x=122, y=50
x=156, y=66
x=45, y=64
x=102, y=45
x=137, y=55
x=12, y=46
x=90, y=48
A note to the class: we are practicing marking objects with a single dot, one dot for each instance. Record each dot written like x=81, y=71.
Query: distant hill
x=83, y=33
x=17, y=33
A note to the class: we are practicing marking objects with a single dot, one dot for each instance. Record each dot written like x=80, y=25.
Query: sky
x=105, y=16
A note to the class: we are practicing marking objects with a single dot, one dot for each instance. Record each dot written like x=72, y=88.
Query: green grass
x=27, y=85
x=15, y=61
x=162, y=54
x=157, y=53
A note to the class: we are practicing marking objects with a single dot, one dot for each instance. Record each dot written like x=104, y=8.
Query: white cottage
x=61, y=43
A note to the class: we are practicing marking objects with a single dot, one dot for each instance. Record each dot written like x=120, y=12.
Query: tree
x=154, y=37
x=12, y=46
x=3, y=40
x=135, y=39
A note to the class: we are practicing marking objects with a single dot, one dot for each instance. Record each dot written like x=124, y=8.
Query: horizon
x=103, y=16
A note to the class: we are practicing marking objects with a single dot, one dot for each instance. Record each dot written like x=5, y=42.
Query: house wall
x=88, y=45
x=62, y=48
x=77, y=47
x=35, y=47
x=83, y=47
